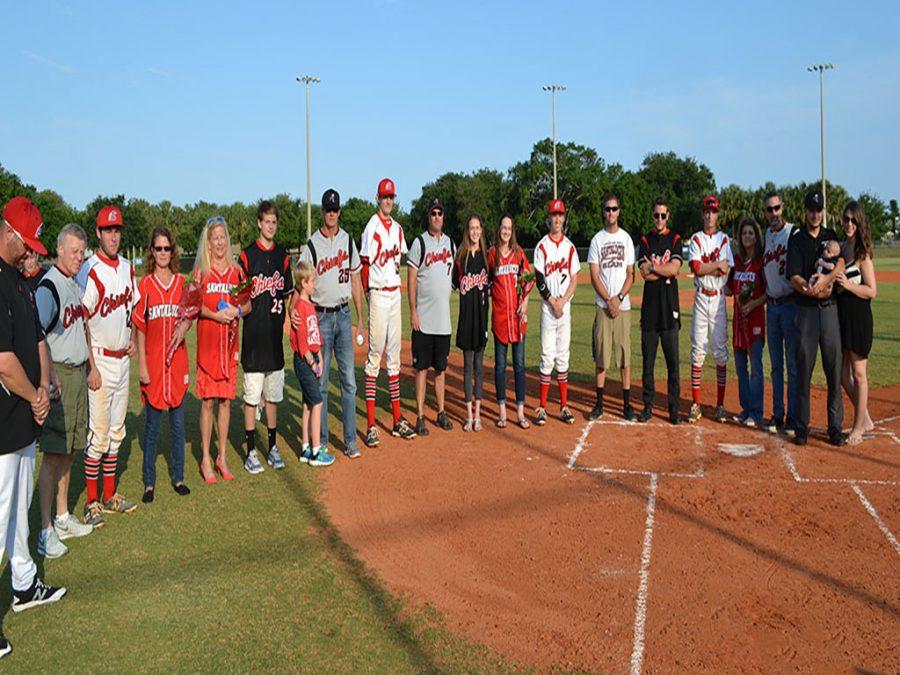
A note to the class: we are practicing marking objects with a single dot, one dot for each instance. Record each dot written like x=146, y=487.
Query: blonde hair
x=305, y=272
x=203, y=261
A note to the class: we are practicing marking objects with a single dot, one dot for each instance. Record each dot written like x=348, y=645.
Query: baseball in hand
x=359, y=338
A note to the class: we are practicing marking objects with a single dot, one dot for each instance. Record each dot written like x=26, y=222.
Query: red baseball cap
x=386, y=188
x=110, y=216
x=557, y=206
x=25, y=218
x=710, y=203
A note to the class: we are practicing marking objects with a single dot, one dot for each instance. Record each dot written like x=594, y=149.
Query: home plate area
x=757, y=553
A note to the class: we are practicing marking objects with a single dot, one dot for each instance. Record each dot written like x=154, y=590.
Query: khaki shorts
x=65, y=429
x=612, y=339
x=264, y=386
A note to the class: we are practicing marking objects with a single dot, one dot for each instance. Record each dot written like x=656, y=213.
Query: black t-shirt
x=803, y=251
x=659, y=307
x=34, y=279
x=20, y=333
x=474, y=285
x=262, y=349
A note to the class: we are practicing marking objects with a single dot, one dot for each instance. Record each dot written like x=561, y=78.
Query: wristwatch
x=620, y=297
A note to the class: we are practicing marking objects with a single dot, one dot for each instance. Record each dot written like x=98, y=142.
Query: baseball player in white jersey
x=710, y=259
x=110, y=295
x=556, y=267
x=380, y=251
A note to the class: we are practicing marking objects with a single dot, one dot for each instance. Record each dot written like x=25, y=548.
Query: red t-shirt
x=306, y=337
x=155, y=316
x=747, y=282
x=217, y=351
x=505, y=299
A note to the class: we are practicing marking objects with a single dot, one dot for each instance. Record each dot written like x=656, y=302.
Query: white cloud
x=44, y=61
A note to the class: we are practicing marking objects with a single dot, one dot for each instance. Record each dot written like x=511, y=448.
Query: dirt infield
x=622, y=547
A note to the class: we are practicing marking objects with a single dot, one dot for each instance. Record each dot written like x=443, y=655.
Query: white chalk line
x=792, y=467
x=878, y=521
x=887, y=419
x=640, y=616
x=641, y=472
x=579, y=447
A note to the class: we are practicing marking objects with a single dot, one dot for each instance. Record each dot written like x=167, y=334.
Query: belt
x=708, y=292
x=826, y=303
x=780, y=301
x=332, y=310
x=60, y=365
x=386, y=288
x=112, y=353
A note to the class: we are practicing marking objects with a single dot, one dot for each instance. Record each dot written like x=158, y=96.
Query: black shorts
x=430, y=351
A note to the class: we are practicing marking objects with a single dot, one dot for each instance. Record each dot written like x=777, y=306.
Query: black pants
x=650, y=340
x=818, y=328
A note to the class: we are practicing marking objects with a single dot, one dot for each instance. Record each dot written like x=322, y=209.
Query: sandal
x=524, y=424
x=501, y=423
x=468, y=425
x=477, y=425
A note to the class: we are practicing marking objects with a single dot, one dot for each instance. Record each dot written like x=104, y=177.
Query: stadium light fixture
x=308, y=80
x=553, y=88
x=820, y=68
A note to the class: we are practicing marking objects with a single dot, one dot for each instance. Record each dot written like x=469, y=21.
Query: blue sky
x=197, y=100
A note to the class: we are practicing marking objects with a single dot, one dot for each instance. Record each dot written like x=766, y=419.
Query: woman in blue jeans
x=747, y=284
x=510, y=273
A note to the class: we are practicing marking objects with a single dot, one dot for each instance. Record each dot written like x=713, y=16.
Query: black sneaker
x=837, y=439
x=404, y=430
x=39, y=594
x=800, y=439
x=675, y=419
x=5, y=647
x=773, y=425
x=372, y=437
x=596, y=412
x=443, y=421
x=628, y=414
x=421, y=429
x=645, y=416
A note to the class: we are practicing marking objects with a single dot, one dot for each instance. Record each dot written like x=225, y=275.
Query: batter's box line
x=582, y=445
x=641, y=472
x=792, y=467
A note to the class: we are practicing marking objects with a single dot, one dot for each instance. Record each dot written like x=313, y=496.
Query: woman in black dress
x=470, y=276
x=857, y=289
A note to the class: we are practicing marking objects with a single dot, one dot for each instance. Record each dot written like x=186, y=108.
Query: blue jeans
x=336, y=330
x=518, y=354
x=781, y=334
x=750, y=385
x=176, y=449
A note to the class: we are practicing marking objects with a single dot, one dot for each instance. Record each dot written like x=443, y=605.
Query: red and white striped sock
x=696, y=376
x=545, y=389
x=563, y=380
x=109, y=475
x=394, y=389
x=370, y=399
x=721, y=378
x=92, y=478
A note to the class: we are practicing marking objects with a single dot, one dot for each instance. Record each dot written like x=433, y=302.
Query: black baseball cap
x=435, y=204
x=815, y=200
x=331, y=200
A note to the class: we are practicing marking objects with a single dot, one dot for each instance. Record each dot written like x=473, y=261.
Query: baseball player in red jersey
x=110, y=295
x=381, y=248
x=163, y=385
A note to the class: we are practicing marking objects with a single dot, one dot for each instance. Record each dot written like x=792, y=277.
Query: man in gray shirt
x=58, y=300
x=430, y=268
x=333, y=254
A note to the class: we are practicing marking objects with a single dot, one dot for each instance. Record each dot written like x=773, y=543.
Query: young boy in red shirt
x=306, y=343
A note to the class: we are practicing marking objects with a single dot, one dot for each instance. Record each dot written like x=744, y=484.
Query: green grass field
x=251, y=574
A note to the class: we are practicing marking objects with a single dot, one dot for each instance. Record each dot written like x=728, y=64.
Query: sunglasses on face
x=215, y=220
x=332, y=210
x=436, y=214
x=773, y=209
x=610, y=209
x=162, y=249
x=851, y=219
x=660, y=216
x=815, y=209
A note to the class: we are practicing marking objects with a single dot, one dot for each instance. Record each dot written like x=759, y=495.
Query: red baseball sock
x=109, y=476
x=696, y=372
x=721, y=372
x=394, y=389
x=563, y=380
x=545, y=389
x=91, y=478
x=370, y=399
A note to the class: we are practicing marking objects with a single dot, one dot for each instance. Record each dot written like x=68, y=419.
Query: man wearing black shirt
x=817, y=319
x=659, y=259
x=24, y=402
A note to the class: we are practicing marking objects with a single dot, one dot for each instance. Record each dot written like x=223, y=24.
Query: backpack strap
x=312, y=252
x=46, y=283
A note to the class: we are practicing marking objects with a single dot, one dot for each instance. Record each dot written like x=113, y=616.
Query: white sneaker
x=252, y=463
x=50, y=546
x=71, y=527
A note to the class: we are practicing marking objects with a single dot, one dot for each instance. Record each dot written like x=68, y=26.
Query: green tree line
x=522, y=191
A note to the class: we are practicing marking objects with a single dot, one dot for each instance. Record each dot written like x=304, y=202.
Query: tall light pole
x=821, y=68
x=553, y=88
x=308, y=80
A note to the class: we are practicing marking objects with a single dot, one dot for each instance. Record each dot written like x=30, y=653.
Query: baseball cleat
x=540, y=416
x=675, y=419
x=403, y=430
x=5, y=647
x=118, y=504
x=421, y=429
x=596, y=412
x=645, y=416
x=93, y=514
x=628, y=414
x=695, y=414
x=443, y=421
x=773, y=425
x=274, y=458
x=566, y=415
x=749, y=422
x=39, y=594
x=838, y=439
x=252, y=463
x=720, y=415
x=372, y=437
x=800, y=439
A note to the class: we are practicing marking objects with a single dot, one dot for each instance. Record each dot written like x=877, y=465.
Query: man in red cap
x=380, y=251
x=711, y=259
x=24, y=403
x=556, y=267
x=110, y=295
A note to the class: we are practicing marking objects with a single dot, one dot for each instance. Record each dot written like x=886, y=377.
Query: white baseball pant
x=709, y=317
x=384, y=332
x=556, y=334
x=16, y=489
x=107, y=407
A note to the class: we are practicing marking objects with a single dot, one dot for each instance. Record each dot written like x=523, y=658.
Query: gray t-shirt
x=335, y=259
x=432, y=258
x=62, y=321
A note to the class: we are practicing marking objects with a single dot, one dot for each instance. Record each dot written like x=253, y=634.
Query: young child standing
x=306, y=343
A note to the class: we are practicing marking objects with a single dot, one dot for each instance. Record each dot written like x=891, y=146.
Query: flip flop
x=501, y=424
x=524, y=424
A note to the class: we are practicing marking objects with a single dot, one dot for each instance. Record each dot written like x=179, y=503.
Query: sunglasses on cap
x=436, y=213
x=660, y=216
x=610, y=209
x=773, y=209
x=215, y=220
